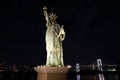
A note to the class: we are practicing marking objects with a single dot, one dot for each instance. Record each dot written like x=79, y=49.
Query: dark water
x=18, y=76
x=70, y=76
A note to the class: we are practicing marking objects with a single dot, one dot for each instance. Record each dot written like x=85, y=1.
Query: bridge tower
x=99, y=65
x=78, y=70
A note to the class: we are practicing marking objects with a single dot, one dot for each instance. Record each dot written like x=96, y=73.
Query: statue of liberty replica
x=54, y=36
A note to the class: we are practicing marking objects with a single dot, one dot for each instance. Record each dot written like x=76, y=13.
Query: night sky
x=92, y=31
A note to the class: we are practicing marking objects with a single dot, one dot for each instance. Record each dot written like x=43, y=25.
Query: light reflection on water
x=33, y=76
x=78, y=76
x=94, y=77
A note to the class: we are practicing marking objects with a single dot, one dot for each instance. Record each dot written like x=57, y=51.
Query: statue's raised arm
x=46, y=15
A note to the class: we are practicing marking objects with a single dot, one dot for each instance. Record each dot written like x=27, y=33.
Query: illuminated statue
x=54, y=36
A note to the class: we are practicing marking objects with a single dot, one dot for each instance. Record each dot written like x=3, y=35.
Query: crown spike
x=52, y=16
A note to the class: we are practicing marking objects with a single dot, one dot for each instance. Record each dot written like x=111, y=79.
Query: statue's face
x=53, y=21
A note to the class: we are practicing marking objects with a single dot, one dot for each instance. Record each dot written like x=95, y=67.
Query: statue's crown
x=52, y=17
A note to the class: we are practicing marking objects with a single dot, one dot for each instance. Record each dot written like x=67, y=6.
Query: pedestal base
x=51, y=73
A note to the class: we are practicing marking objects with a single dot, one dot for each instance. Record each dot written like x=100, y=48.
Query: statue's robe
x=54, y=46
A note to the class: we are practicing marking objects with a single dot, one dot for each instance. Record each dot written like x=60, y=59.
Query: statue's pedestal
x=51, y=73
